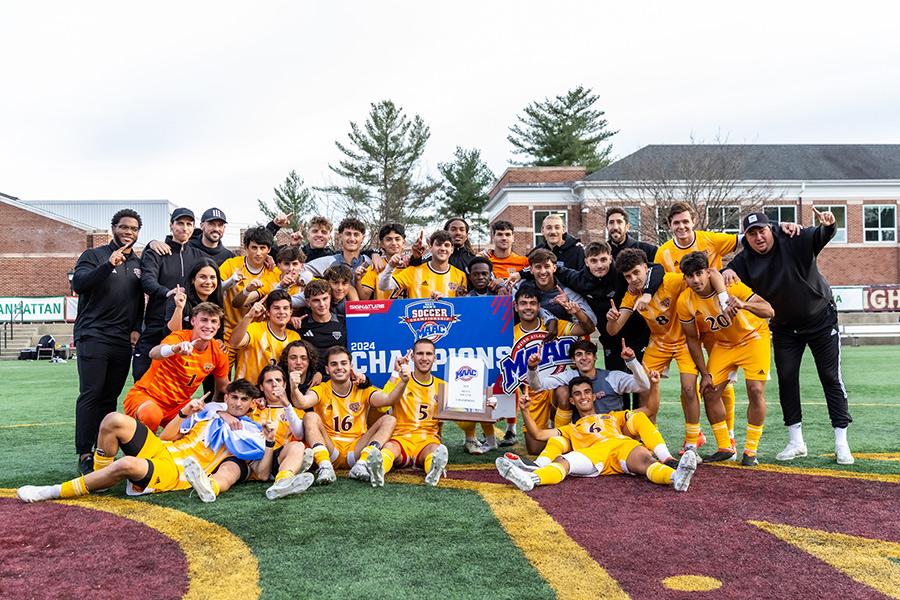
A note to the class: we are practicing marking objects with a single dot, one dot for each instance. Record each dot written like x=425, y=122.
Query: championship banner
x=379, y=331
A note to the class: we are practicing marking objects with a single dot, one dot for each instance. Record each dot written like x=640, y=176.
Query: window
x=781, y=214
x=662, y=225
x=634, y=221
x=879, y=223
x=538, y=217
x=726, y=219
x=840, y=220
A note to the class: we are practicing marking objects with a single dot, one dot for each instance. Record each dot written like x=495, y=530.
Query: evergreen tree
x=464, y=193
x=379, y=169
x=563, y=131
x=292, y=198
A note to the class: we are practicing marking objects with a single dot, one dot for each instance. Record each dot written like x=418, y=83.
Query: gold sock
x=691, y=433
x=215, y=486
x=728, y=401
x=660, y=473
x=720, y=430
x=428, y=461
x=101, y=460
x=556, y=446
x=284, y=474
x=73, y=489
x=387, y=459
x=562, y=418
x=364, y=455
x=640, y=424
x=551, y=474
x=320, y=453
x=754, y=432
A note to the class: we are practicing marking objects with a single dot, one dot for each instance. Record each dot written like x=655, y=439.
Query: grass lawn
x=348, y=540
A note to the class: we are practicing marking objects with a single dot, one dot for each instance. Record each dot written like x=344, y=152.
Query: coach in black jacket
x=783, y=270
x=110, y=306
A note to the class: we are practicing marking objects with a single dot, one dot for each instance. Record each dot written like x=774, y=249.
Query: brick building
x=859, y=183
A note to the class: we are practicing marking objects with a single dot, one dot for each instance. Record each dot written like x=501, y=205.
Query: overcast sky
x=213, y=103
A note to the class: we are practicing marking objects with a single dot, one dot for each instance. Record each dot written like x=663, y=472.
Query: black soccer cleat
x=749, y=461
x=719, y=455
x=671, y=462
x=86, y=464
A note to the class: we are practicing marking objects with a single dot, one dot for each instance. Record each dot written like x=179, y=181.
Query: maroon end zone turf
x=58, y=551
x=642, y=533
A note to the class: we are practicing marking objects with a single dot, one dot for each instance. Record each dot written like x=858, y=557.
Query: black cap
x=181, y=212
x=213, y=214
x=756, y=219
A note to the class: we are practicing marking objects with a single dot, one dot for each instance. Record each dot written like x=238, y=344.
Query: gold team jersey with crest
x=660, y=313
x=263, y=348
x=593, y=429
x=421, y=281
x=715, y=244
x=416, y=409
x=727, y=333
x=268, y=277
x=275, y=414
x=343, y=416
x=370, y=280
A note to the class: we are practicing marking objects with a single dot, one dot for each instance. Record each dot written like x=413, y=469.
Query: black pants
x=140, y=361
x=824, y=342
x=102, y=371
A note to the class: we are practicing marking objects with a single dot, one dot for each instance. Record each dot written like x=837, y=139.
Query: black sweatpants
x=824, y=341
x=102, y=371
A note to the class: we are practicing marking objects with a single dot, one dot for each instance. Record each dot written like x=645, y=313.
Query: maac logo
x=554, y=358
x=429, y=319
x=466, y=373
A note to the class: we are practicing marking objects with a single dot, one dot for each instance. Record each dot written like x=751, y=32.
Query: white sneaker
x=290, y=485
x=473, y=447
x=375, y=463
x=198, y=479
x=844, y=457
x=326, y=474
x=681, y=478
x=35, y=493
x=519, y=478
x=522, y=463
x=488, y=446
x=359, y=471
x=439, y=460
x=307, y=461
x=792, y=451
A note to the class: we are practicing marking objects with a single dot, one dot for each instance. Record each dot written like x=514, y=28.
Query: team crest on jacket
x=208, y=367
x=429, y=319
x=137, y=272
x=336, y=335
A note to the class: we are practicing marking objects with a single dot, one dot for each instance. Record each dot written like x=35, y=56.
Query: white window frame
x=842, y=233
x=536, y=223
x=780, y=217
x=881, y=230
x=634, y=220
x=737, y=211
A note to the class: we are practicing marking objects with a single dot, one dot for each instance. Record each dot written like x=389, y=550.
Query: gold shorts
x=412, y=445
x=657, y=359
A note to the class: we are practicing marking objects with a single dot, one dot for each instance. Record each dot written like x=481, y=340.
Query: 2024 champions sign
x=474, y=327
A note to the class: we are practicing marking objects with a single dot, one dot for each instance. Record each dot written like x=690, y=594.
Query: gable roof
x=762, y=162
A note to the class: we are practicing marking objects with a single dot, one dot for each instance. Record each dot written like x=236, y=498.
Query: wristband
x=182, y=415
x=723, y=299
x=166, y=350
x=270, y=444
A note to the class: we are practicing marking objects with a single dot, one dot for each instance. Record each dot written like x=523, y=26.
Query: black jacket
x=159, y=274
x=788, y=276
x=570, y=253
x=219, y=254
x=110, y=299
x=630, y=242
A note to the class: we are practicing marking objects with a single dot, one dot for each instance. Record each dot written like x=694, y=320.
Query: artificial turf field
x=809, y=529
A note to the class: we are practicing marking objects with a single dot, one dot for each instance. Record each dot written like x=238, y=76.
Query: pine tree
x=293, y=198
x=563, y=131
x=464, y=193
x=379, y=169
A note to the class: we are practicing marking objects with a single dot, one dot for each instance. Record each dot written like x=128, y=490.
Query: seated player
x=741, y=339
x=416, y=441
x=164, y=463
x=298, y=360
x=337, y=431
x=433, y=279
x=598, y=444
x=259, y=343
x=180, y=364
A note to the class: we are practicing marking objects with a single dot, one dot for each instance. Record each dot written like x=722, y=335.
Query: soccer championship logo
x=554, y=358
x=429, y=319
x=466, y=373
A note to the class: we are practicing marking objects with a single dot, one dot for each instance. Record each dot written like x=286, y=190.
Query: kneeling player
x=417, y=435
x=160, y=464
x=337, y=431
x=599, y=445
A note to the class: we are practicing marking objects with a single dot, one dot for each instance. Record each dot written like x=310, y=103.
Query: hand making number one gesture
x=825, y=218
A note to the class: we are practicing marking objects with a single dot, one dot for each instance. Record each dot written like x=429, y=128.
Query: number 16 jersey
x=343, y=416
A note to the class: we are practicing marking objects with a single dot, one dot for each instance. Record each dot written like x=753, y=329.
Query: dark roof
x=761, y=162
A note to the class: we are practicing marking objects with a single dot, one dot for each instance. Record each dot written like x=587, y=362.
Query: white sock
x=490, y=440
x=662, y=453
x=731, y=433
x=53, y=491
x=542, y=461
x=840, y=436
x=795, y=432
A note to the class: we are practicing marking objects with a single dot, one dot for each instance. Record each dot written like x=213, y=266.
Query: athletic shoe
x=198, y=479
x=86, y=464
x=681, y=478
x=523, y=463
x=326, y=474
x=671, y=462
x=509, y=438
x=487, y=447
x=359, y=471
x=510, y=472
x=438, y=465
x=376, y=467
x=685, y=447
x=844, y=456
x=35, y=493
x=733, y=449
x=307, y=461
x=792, y=451
x=290, y=485
x=473, y=447
x=719, y=455
x=749, y=461
x=701, y=439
